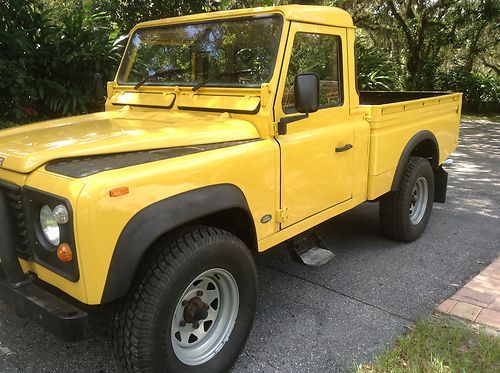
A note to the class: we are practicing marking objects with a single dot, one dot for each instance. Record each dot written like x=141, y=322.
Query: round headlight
x=49, y=225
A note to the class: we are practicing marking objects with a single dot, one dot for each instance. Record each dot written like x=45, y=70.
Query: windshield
x=235, y=53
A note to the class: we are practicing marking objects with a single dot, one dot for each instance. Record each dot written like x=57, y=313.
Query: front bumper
x=57, y=316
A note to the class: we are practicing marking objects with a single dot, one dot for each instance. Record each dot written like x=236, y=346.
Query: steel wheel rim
x=220, y=293
x=418, y=201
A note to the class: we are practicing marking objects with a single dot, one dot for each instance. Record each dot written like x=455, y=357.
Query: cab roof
x=322, y=15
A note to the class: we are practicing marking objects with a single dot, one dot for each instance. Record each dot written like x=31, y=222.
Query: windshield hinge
x=282, y=215
x=265, y=93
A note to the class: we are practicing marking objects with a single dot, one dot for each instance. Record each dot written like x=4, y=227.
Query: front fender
x=152, y=222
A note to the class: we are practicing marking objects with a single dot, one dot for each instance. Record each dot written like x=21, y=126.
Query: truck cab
x=223, y=133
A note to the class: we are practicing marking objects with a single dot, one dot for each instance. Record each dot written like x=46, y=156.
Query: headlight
x=50, y=227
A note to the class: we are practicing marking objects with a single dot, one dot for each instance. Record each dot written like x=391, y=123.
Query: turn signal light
x=117, y=192
x=64, y=253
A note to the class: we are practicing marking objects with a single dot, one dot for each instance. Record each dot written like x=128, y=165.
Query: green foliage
x=7, y=125
x=127, y=13
x=435, y=42
x=19, y=21
x=375, y=70
x=481, y=90
x=51, y=50
x=415, y=31
x=476, y=39
x=49, y=63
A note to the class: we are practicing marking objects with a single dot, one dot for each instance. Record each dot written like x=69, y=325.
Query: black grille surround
x=24, y=204
x=44, y=253
x=15, y=201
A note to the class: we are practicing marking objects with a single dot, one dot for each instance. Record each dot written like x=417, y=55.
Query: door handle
x=343, y=148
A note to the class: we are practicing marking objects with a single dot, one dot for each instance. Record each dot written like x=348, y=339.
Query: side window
x=315, y=53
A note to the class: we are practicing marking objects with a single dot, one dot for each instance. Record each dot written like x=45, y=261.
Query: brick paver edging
x=479, y=299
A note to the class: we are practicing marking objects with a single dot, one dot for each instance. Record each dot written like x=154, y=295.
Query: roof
x=322, y=15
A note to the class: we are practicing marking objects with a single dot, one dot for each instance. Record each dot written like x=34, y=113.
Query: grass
x=439, y=345
x=482, y=117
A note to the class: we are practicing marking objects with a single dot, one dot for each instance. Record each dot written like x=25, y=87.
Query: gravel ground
x=327, y=319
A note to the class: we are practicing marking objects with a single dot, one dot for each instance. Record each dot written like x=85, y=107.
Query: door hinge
x=282, y=215
x=275, y=128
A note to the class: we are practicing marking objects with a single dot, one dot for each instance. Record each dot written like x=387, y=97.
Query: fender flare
x=153, y=221
x=409, y=148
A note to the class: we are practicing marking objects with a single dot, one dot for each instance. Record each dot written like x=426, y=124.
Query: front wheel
x=404, y=213
x=191, y=307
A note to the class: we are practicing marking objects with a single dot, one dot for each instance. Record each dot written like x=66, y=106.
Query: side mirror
x=307, y=93
x=306, y=99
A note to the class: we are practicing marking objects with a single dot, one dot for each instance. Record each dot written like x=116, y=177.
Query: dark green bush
x=18, y=40
x=481, y=90
x=375, y=71
x=48, y=63
x=51, y=51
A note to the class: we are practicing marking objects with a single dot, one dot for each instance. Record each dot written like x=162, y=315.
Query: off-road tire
x=141, y=327
x=395, y=206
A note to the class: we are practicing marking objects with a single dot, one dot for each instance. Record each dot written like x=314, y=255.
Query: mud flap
x=440, y=185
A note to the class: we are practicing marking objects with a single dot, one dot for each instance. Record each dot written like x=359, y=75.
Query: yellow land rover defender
x=224, y=134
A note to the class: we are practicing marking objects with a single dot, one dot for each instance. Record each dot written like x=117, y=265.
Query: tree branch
x=401, y=22
x=496, y=69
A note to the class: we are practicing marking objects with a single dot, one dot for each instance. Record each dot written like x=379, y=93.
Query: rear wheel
x=191, y=307
x=404, y=213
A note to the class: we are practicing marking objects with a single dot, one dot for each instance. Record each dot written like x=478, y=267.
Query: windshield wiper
x=158, y=73
x=225, y=73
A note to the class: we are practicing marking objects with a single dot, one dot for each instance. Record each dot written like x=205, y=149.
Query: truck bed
x=395, y=117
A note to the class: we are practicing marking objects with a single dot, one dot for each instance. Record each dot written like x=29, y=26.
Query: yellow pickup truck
x=224, y=134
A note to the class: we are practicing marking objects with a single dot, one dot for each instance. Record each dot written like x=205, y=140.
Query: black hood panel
x=91, y=165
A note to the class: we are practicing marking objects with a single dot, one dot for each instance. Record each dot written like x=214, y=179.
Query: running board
x=306, y=249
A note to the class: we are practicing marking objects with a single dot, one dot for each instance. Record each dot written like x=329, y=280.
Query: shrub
x=375, y=71
x=48, y=64
x=481, y=90
x=52, y=50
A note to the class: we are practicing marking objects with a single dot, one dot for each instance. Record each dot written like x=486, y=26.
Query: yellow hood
x=26, y=148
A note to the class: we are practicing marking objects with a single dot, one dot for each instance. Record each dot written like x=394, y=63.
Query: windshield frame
x=273, y=65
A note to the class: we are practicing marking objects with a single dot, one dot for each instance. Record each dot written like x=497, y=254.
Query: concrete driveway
x=327, y=319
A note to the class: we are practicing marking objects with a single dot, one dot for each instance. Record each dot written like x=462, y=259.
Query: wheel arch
x=423, y=144
x=222, y=205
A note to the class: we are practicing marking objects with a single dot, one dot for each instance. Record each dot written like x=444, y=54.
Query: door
x=316, y=155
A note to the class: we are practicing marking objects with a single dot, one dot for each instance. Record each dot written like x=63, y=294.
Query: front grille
x=14, y=198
